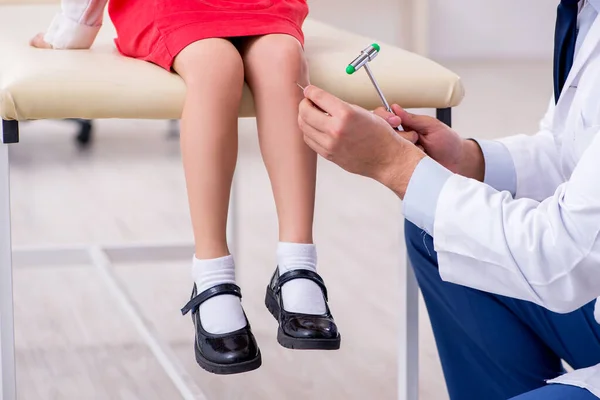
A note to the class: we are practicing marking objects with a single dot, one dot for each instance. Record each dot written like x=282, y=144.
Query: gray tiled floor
x=73, y=340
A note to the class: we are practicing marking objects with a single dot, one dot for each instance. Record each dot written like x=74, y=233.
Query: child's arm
x=77, y=25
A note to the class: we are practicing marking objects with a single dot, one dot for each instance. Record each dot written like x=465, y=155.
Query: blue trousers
x=496, y=348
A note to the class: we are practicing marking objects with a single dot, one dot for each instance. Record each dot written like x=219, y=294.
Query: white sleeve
x=76, y=25
x=546, y=252
x=536, y=160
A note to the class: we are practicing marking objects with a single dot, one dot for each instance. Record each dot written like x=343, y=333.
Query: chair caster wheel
x=84, y=137
x=173, y=129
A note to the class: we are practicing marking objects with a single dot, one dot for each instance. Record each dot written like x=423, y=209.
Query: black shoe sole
x=297, y=343
x=227, y=369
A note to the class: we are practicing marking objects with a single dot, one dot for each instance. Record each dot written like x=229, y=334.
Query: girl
x=216, y=45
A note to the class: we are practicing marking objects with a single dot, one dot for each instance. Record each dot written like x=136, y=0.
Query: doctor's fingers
x=319, y=141
x=317, y=148
x=311, y=115
x=326, y=101
x=392, y=119
x=395, y=121
x=411, y=136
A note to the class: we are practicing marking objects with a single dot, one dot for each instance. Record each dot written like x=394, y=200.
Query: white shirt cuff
x=500, y=172
x=422, y=193
x=64, y=33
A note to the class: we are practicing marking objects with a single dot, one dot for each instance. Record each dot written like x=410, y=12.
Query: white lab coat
x=543, y=245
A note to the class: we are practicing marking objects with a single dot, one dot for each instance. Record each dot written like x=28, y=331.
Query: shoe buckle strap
x=301, y=274
x=225, y=288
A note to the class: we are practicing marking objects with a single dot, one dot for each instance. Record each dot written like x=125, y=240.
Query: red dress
x=157, y=30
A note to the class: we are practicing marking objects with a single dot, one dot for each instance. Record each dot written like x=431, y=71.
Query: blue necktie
x=564, y=42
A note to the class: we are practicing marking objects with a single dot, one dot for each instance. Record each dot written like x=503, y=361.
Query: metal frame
x=102, y=258
x=408, y=349
x=444, y=115
x=9, y=132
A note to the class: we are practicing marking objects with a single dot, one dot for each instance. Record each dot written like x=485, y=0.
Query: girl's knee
x=213, y=60
x=289, y=56
x=285, y=47
x=279, y=55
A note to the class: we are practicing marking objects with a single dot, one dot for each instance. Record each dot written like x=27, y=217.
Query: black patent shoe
x=301, y=331
x=228, y=353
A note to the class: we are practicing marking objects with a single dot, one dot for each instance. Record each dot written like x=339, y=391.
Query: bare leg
x=273, y=64
x=213, y=72
x=214, y=75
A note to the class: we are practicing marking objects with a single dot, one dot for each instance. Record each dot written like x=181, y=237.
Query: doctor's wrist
x=472, y=163
x=397, y=175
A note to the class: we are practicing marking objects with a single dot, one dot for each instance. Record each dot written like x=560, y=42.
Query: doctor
x=511, y=270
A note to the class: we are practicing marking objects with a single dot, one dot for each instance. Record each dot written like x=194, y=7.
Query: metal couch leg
x=408, y=357
x=444, y=115
x=9, y=132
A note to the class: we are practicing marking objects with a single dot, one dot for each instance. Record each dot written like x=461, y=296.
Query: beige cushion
x=100, y=83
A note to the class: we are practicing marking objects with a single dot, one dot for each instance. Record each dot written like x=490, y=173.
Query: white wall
x=384, y=20
x=491, y=28
x=457, y=29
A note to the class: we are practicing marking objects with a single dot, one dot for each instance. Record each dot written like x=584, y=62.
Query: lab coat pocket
x=583, y=135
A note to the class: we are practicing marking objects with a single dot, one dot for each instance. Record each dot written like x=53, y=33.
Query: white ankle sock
x=300, y=295
x=223, y=313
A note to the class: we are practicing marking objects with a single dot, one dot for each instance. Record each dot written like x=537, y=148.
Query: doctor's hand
x=439, y=141
x=38, y=42
x=357, y=140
